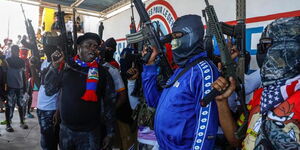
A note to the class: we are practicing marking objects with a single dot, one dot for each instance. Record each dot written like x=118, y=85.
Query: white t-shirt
x=115, y=73
x=46, y=102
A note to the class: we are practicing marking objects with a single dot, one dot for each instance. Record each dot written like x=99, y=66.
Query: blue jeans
x=49, y=131
x=79, y=140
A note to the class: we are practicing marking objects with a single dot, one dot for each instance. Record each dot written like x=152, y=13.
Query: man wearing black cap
x=86, y=87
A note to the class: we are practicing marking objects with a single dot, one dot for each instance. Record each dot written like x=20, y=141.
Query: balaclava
x=282, y=61
x=109, y=54
x=191, y=43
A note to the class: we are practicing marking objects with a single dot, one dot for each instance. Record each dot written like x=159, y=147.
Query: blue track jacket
x=180, y=122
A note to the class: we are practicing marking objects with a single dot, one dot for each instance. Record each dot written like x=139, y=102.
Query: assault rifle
x=149, y=34
x=229, y=67
x=32, y=45
x=65, y=43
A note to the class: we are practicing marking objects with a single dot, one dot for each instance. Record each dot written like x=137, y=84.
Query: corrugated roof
x=97, y=5
x=100, y=8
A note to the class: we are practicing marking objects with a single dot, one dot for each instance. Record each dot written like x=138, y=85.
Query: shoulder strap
x=186, y=68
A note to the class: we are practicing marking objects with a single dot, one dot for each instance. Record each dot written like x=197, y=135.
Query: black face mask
x=109, y=55
x=191, y=43
x=105, y=54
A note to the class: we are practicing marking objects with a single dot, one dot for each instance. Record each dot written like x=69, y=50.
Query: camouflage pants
x=49, y=132
x=14, y=96
x=279, y=139
x=75, y=140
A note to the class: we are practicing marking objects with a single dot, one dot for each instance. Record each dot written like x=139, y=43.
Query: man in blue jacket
x=180, y=122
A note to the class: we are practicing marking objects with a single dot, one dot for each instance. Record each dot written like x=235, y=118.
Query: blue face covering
x=191, y=43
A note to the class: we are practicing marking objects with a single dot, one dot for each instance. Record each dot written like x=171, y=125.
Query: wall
x=259, y=14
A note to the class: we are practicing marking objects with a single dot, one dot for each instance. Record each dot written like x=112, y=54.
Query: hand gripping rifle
x=31, y=36
x=229, y=67
x=238, y=32
x=150, y=36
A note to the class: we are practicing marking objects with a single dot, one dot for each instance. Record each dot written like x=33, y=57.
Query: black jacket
x=77, y=114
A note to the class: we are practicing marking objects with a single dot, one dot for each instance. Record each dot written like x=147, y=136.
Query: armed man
x=82, y=108
x=180, y=121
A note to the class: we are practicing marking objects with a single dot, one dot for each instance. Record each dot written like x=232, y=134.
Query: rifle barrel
x=23, y=12
x=206, y=2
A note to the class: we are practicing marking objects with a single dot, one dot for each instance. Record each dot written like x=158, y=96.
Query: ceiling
x=97, y=8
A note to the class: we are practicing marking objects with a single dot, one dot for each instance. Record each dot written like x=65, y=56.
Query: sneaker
x=3, y=122
x=9, y=129
x=30, y=116
x=24, y=126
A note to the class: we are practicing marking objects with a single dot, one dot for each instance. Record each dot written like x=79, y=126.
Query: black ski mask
x=191, y=43
x=110, y=50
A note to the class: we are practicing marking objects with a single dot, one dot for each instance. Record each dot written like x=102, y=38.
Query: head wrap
x=283, y=60
x=109, y=54
x=191, y=43
x=111, y=42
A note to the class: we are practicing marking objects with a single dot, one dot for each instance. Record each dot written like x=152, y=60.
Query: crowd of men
x=89, y=101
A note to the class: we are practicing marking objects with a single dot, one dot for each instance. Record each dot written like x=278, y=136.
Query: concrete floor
x=20, y=139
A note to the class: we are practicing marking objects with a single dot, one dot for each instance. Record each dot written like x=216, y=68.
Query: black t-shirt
x=78, y=114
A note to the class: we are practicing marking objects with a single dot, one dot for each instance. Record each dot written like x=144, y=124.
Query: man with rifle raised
x=180, y=121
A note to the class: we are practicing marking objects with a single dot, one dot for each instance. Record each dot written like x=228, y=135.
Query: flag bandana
x=276, y=93
x=92, y=79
